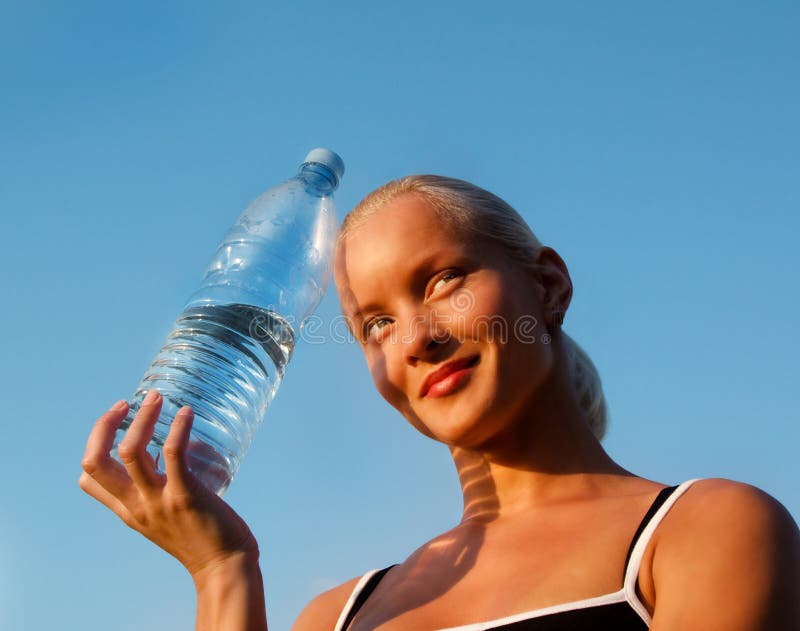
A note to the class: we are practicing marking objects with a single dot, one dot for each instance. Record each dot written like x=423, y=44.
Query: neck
x=548, y=455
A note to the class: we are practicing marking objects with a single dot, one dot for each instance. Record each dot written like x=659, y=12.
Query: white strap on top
x=635, y=562
x=353, y=595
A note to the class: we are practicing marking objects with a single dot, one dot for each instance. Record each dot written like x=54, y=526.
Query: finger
x=175, y=448
x=101, y=437
x=96, y=459
x=92, y=487
x=133, y=448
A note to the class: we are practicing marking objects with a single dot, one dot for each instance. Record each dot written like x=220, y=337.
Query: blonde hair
x=475, y=212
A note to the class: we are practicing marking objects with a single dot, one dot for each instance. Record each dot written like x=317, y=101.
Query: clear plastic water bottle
x=227, y=351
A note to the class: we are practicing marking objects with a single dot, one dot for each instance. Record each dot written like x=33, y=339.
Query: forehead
x=404, y=234
x=407, y=215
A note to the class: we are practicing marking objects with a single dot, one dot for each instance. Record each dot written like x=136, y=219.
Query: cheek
x=488, y=319
x=391, y=389
x=511, y=309
x=388, y=384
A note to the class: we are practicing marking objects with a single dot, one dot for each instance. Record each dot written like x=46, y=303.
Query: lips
x=443, y=372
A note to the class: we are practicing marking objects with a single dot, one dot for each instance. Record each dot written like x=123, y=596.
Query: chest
x=486, y=574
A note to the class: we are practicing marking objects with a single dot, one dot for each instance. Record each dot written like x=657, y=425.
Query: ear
x=555, y=285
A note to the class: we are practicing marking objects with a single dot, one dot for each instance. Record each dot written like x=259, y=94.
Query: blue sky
x=653, y=145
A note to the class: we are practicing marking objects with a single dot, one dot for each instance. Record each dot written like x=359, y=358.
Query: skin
x=547, y=514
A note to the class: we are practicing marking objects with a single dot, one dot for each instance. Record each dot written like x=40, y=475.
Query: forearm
x=230, y=596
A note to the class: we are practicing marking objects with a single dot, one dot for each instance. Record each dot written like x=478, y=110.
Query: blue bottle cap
x=327, y=158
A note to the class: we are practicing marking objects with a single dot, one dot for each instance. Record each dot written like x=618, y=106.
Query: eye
x=443, y=280
x=375, y=327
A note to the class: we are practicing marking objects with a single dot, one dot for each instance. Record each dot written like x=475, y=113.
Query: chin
x=460, y=421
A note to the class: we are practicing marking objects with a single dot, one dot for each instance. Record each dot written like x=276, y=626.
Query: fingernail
x=151, y=397
x=120, y=404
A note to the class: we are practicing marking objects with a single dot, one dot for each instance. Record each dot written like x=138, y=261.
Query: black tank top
x=619, y=611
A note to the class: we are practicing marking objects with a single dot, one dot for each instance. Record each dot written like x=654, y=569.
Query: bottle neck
x=319, y=177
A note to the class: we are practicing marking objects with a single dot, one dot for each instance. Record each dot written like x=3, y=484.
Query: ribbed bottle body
x=226, y=362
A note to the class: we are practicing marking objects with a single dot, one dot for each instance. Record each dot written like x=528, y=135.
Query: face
x=450, y=328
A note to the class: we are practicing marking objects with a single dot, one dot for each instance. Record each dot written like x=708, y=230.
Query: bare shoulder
x=718, y=505
x=727, y=556
x=323, y=611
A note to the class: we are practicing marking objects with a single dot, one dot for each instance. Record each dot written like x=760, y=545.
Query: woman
x=458, y=310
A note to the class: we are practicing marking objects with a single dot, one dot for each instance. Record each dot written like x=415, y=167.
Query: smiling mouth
x=448, y=378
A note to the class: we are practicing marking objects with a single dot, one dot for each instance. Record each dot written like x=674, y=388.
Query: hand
x=175, y=511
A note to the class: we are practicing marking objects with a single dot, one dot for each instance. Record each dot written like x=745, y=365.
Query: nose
x=425, y=338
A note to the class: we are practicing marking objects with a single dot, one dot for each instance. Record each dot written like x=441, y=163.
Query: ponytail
x=588, y=387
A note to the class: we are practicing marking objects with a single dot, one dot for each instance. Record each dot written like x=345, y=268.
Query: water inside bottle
x=226, y=362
